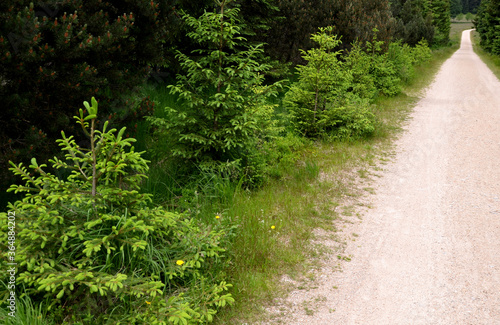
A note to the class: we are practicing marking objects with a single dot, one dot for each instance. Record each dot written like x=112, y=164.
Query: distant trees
x=487, y=24
x=455, y=8
x=417, y=19
x=470, y=6
x=413, y=22
x=352, y=20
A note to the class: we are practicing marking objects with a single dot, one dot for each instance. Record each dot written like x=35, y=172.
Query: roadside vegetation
x=189, y=207
x=486, y=37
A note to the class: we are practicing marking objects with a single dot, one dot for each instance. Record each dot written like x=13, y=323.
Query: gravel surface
x=428, y=252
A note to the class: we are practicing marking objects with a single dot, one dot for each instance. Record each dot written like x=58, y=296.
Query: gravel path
x=429, y=250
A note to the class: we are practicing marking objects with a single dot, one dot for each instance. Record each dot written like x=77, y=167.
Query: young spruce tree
x=92, y=247
x=222, y=107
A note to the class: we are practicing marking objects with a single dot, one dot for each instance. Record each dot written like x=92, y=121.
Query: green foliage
x=440, y=10
x=222, y=113
x=469, y=16
x=92, y=245
x=470, y=6
x=400, y=55
x=334, y=96
x=417, y=19
x=383, y=69
x=375, y=71
x=318, y=101
x=487, y=24
x=455, y=8
x=421, y=53
x=359, y=63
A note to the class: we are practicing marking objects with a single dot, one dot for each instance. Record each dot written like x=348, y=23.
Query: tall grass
x=27, y=313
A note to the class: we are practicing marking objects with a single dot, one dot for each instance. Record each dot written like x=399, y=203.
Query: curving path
x=429, y=250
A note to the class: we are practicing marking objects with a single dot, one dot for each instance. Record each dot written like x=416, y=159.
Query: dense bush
x=470, y=6
x=333, y=96
x=487, y=24
x=92, y=247
x=222, y=111
x=440, y=10
x=455, y=8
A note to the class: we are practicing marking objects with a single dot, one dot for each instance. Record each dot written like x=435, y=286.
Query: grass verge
x=491, y=60
x=279, y=221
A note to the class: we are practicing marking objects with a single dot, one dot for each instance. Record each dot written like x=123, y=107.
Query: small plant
x=92, y=245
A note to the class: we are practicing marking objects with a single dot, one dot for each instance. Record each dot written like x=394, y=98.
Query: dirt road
x=429, y=250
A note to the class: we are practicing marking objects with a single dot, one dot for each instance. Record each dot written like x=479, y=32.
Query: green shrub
x=383, y=69
x=359, y=63
x=92, y=245
x=421, y=53
x=319, y=101
x=469, y=16
x=440, y=11
x=401, y=56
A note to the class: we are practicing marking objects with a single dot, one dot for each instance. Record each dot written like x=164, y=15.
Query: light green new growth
x=90, y=240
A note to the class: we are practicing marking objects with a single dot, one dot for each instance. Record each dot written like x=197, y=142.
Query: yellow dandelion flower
x=217, y=217
x=148, y=302
x=179, y=262
x=272, y=227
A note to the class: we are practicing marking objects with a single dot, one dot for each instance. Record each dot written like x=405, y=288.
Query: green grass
x=456, y=31
x=491, y=60
x=27, y=313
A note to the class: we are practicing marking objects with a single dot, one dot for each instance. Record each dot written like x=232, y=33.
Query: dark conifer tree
x=56, y=54
x=487, y=22
x=455, y=7
x=352, y=20
x=412, y=22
